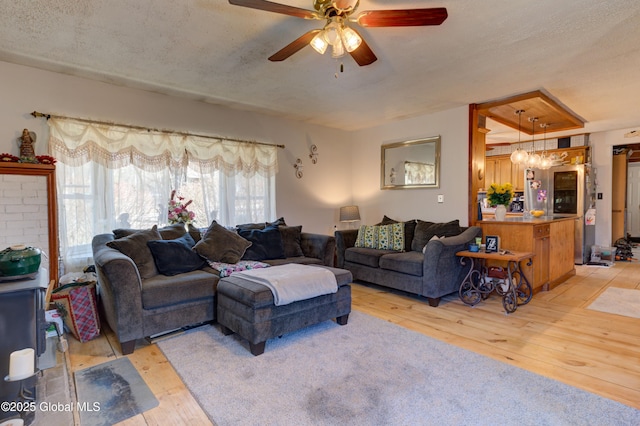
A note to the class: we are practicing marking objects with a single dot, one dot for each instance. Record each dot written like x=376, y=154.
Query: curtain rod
x=131, y=126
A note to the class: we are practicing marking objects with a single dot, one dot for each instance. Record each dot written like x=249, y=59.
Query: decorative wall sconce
x=314, y=154
x=299, y=167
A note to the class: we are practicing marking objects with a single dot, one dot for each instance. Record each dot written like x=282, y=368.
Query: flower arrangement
x=500, y=194
x=178, y=212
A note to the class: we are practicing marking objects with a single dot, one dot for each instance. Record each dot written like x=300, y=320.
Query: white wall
x=312, y=201
x=404, y=204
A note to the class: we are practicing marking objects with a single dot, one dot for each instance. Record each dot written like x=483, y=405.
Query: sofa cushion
x=163, y=290
x=219, y=244
x=365, y=256
x=291, y=240
x=409, y=229
x=383, y=237
x=410, y=262
x=135, y=246
x=168, y=232
x=175, y=256
x=426, y=230
x=265, y=243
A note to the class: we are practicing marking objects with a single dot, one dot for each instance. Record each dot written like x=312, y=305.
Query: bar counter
x=549, y=237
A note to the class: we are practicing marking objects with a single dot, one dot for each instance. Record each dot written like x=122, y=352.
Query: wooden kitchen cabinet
x=550, y=239
x=517, y=176
x=497, y=170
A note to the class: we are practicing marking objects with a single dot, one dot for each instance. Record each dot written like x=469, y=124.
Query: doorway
x=625, y=203
x=633, y=201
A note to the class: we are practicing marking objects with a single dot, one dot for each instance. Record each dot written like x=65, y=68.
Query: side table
x=514, y=287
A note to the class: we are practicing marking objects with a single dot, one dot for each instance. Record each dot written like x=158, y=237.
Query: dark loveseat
x=139, y=301
x=427, y=265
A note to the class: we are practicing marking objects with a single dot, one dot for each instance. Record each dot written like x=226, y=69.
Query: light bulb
x=332, y=33
x=337, y=50
x=519, y=156
x=350, y=39
x=533, y=161
x=319, y=43
x=545, y=162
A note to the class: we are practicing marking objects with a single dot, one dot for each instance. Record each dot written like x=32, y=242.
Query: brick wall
x=23, y=212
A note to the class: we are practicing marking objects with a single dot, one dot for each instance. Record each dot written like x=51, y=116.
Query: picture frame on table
x=492, y=244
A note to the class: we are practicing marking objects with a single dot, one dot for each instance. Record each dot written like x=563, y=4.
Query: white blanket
x=292, y=282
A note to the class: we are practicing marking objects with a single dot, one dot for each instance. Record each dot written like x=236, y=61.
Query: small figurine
x=26, y=142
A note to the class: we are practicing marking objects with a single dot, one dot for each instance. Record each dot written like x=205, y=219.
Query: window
x=112, y=177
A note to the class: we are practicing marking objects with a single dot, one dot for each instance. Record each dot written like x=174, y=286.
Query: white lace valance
x=75, y=142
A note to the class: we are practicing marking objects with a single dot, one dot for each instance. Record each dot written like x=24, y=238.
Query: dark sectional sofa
x=425, y=266
x=141, y=296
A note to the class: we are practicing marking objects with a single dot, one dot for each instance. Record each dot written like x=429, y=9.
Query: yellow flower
x=500, y=194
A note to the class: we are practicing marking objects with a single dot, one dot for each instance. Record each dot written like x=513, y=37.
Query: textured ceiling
x=583, y=53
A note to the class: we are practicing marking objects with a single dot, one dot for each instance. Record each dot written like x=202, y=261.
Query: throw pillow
x=425, y=230
x=227, y=269
x=168, y=232
x=219, y=244
x=173, y=257
x=382, y=237
x=409, y=228
x=196, y=233
x=135, y=246
x=424, y=249
x=262, y=225
x=386, y=220
x=265, y=243
x=291, y=240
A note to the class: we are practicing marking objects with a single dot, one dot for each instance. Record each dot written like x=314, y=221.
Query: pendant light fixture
x=519, y=156
x=545, y=162
x=533, y=161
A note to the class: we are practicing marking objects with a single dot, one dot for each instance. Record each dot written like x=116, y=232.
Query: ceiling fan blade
x=276, y=7
x=402, y=18
x=294, y=46
x=363, y=55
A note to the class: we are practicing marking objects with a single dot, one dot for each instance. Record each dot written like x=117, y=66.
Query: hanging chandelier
x=545, y=162
x=519, y=156
x=533, y=161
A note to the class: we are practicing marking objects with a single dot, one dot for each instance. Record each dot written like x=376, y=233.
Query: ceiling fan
x=337, y=33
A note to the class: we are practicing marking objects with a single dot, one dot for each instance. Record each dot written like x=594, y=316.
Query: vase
x=501, y=212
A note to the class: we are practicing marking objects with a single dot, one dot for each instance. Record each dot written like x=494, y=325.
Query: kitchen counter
x=551, y=238
x=519, y=218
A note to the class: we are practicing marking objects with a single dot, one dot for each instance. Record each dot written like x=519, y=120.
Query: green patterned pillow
x=382, y=237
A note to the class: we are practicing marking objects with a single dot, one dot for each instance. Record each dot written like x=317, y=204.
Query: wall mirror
x=39, y=224
x=411, y=164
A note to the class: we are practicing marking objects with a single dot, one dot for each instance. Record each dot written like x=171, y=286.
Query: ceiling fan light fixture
x=333, y=33
x=319, y=43
x=350, y=39
x=337, y=50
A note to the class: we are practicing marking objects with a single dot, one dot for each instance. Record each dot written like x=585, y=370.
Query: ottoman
x=247, y=308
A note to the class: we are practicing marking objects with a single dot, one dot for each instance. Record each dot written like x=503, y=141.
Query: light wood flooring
x=554, y=335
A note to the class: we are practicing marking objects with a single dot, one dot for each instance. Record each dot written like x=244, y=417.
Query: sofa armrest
x=442, y=269
x=120, y=289
x=344, y=239
x=320, y=246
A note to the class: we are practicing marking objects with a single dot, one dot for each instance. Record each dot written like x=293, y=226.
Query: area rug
x=111, y=392
x=372, y=372
x=621, y=301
